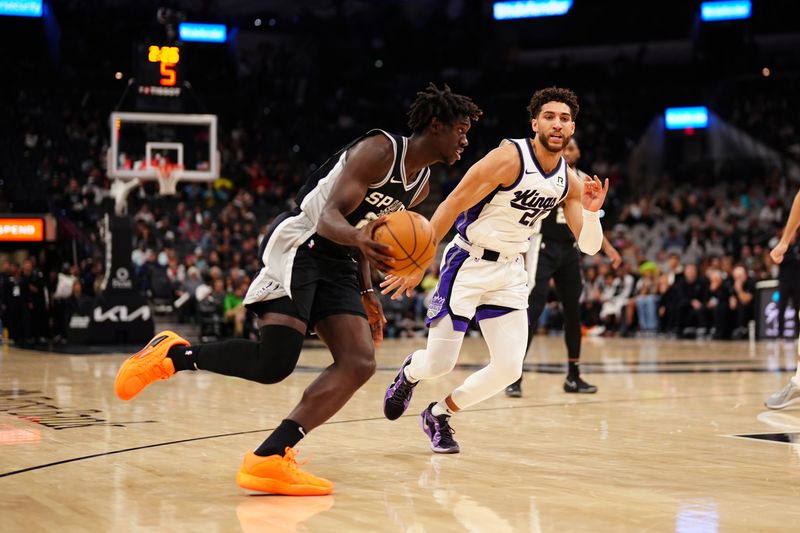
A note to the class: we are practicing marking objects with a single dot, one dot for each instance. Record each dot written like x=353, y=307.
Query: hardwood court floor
x=652, y=451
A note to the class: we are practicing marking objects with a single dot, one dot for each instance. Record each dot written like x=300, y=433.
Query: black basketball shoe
x=515, y=389
x=577, y=385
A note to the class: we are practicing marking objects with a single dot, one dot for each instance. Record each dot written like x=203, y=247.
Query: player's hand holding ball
x=379, y=254
x=413, y=243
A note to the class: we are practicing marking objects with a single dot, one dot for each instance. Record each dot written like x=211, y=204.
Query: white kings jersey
x=505, y=219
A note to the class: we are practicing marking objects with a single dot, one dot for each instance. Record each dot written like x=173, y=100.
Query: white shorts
x=278, y=250
x=471, y=286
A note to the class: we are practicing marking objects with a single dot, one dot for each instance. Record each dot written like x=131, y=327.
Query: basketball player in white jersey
x=790, y=394
x=495, y=207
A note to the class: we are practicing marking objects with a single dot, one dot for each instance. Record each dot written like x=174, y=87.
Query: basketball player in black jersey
x=789, y=394
x=316, y=274
x=555, y=255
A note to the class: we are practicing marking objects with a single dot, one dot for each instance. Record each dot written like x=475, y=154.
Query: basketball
x=412, y=240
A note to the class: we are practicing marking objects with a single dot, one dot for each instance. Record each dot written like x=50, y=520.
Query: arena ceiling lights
x=21, y=8
x=202, y=33
x=679, y=118
x=729, y=10
x=522, y=9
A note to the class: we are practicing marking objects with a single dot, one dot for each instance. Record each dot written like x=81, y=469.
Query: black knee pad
x=278, y=353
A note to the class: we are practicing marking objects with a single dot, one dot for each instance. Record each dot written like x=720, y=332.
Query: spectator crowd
x=694, y=245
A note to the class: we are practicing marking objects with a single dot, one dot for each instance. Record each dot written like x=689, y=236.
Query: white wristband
x=591, y=237
x=590, y=214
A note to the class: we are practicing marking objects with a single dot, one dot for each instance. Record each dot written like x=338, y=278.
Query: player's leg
x=337, y=315
x=782, y=304
x=789, y=394
x=349, y=339
x=460, y=286
x=547, y=262
x=505, y=338
x=272, y=467
x=437, y=359
x=793, y=299
x=569, y=284
x=269, y=360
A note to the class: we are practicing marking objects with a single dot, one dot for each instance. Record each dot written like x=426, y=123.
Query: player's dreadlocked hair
x=443, y=104
x=554, y=94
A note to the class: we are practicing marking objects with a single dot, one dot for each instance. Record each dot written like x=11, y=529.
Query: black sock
x=573, y=370
x=182, y=357
x=288, y=434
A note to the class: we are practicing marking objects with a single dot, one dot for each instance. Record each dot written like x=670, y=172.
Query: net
x=168, y=176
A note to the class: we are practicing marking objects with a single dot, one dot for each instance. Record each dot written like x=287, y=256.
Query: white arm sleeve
x=591, y=237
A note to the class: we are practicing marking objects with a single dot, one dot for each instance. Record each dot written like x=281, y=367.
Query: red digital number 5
x=169, y=75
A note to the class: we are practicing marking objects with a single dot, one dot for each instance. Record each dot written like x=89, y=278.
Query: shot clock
x=159, y=70
x=159, y=78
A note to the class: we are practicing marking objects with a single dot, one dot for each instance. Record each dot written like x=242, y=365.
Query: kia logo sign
x=119, y=313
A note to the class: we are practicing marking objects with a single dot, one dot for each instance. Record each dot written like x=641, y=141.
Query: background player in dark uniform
x=788, y=283
x=790, y=393
x=555, y=254
x=316, y=274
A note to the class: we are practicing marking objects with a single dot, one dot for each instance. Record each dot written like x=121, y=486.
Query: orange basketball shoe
x=147, y=365
x=280, y=475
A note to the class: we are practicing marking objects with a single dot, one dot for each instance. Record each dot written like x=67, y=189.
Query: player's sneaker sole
x=274, y=486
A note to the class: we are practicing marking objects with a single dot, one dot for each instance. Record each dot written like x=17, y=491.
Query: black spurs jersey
x=395, y=192
x=554, y=226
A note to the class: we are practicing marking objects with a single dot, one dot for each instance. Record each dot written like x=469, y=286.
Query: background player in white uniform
x=496, y=204
x=790, y=394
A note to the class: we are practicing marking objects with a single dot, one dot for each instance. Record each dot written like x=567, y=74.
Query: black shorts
x=560, y=261
x=323, y=284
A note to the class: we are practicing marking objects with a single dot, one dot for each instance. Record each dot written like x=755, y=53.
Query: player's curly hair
x=553, y=94
x=443, y=104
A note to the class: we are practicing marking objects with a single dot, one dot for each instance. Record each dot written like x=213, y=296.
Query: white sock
x=441, y=408
x=408, y=375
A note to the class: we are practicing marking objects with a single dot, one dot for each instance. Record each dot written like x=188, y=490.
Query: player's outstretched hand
x=594, y=193
x=401, y=284
x=778, y=252
x=376, y=252
x=375, y=316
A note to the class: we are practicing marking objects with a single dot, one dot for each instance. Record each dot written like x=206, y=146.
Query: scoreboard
x=159, y=71
x=158, y=83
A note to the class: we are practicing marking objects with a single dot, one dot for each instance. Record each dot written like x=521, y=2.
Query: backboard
x=139, y=141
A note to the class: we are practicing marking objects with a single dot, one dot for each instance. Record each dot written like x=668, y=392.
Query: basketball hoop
x=168, y=176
